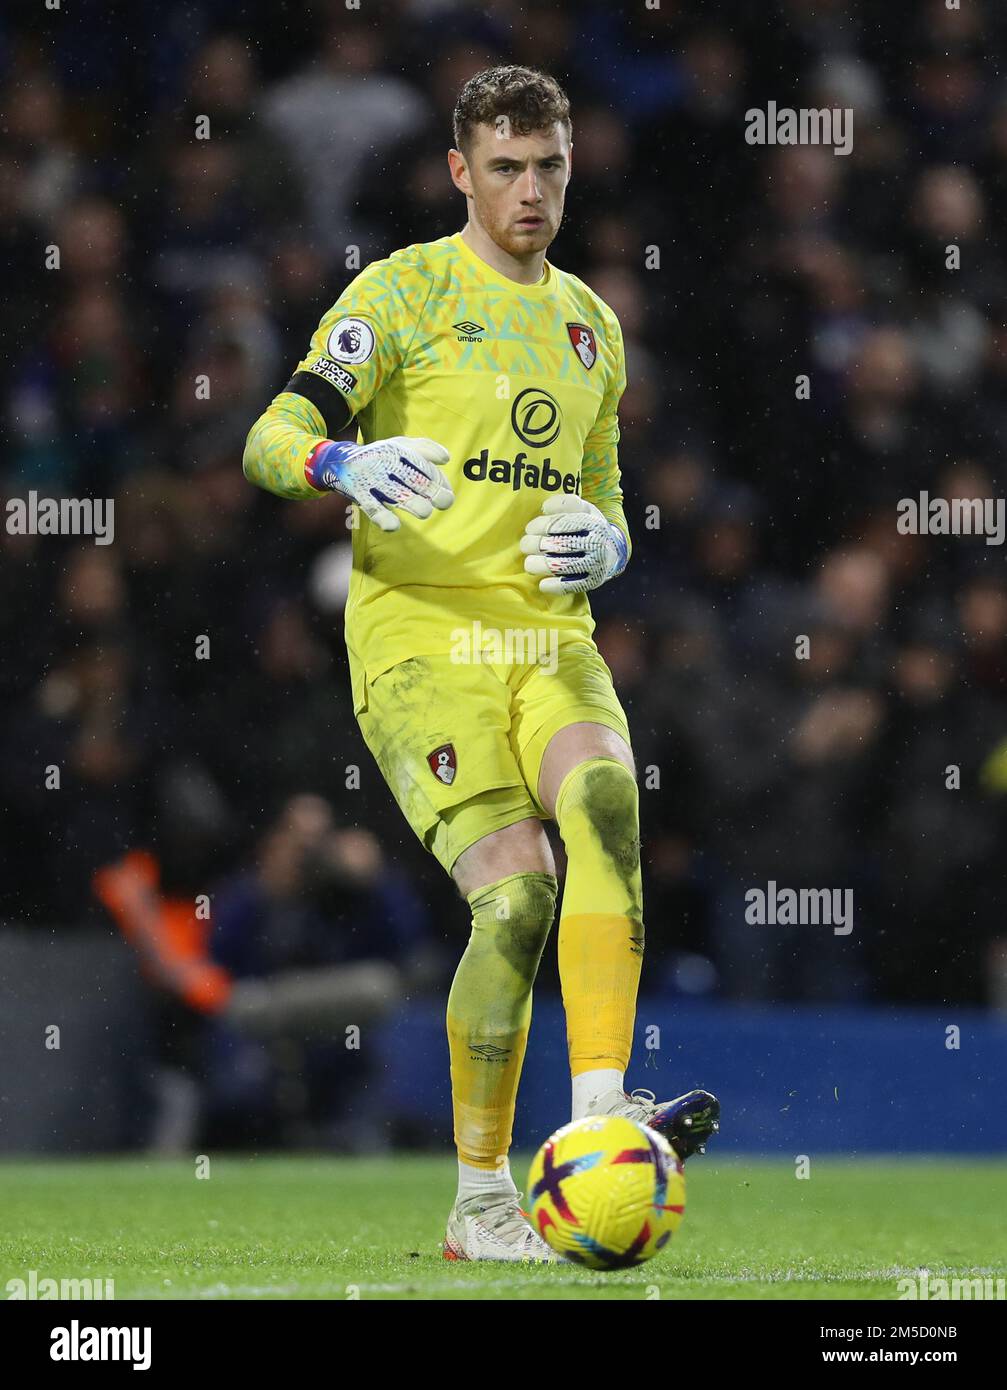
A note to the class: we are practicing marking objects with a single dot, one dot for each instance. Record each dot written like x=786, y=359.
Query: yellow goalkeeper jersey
x=520, y=383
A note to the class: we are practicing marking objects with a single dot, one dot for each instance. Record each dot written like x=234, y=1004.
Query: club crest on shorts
x=443, y=763
x=584, y=344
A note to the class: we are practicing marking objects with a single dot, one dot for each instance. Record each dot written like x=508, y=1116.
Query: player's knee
x=600, y=795
x=513, y=917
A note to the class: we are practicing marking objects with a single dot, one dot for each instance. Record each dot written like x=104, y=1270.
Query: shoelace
x=505, y=1218
x=645, y=1099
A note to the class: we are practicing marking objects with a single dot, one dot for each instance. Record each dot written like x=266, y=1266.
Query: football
x=606, y=1192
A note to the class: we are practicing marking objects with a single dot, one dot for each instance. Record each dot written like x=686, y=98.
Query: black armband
x=326, y=397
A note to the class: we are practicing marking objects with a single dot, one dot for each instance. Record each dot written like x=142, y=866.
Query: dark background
x=777, y=516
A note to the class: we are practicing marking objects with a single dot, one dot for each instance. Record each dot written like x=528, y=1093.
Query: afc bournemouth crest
x=443, y=763
x=584, y=345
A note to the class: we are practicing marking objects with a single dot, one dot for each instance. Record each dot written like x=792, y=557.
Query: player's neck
x=527, y=271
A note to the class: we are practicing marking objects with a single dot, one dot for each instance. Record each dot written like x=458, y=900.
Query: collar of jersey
x=544, y=286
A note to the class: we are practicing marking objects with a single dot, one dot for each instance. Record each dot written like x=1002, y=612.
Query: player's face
x=518, y=186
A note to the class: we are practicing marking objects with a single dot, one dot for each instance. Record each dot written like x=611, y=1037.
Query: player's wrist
x=323, y=468
x=621, y=545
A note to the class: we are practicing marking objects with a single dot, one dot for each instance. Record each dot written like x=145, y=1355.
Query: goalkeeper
x=484, y=385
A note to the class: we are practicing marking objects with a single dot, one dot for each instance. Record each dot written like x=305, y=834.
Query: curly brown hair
x=529, y=100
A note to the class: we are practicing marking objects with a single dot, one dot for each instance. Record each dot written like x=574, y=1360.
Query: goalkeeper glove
x=396, y=472
x=574, y=545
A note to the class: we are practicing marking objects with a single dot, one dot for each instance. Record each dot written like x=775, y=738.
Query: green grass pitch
x=313, y=1227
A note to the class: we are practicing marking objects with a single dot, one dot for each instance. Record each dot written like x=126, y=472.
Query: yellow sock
x=601, y=920
x=489, y=1010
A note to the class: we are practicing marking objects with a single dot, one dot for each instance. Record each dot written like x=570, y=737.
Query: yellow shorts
x=461, y=744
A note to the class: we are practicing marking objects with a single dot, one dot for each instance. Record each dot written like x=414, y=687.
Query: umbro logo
x=489, y=1052
x=467, y=331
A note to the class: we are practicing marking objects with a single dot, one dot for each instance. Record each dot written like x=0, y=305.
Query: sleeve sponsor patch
x=334, y=374
x=350, y=340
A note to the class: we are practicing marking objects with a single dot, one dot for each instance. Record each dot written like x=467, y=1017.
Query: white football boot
x=491, y=1226
x=687, y=1122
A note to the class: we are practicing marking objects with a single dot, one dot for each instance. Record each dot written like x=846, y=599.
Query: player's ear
x=459, y=172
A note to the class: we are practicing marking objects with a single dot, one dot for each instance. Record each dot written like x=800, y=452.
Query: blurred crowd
x=189, y=680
